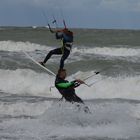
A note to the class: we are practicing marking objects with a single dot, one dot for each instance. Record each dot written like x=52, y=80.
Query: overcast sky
x=123, y=14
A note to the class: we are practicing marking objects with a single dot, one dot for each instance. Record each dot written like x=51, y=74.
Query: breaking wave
x=29, y=82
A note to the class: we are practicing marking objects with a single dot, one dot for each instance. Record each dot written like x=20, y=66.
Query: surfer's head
x=62, y=73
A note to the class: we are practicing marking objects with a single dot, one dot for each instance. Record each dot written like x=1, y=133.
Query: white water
x=23, y=108
x=23, y=91
x=109, y=51
x=20, y=46
x=108, y=120
x=121, y=51
x=25, y=82
x=28, y=82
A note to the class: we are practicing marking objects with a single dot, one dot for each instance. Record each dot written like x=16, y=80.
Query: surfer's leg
x=77, y=99
x=81, y=105
x=52, y=52
x=64, y=57
x=68, y=98
x=73, y=98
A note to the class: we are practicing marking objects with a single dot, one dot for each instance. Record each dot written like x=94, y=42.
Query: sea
x=30, y=105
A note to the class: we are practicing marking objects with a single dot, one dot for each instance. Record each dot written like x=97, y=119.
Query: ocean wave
x=21, y=46
x=25, y=81
x=108, y=51
x=108, y=120
x=23, y=108
x=104, y=51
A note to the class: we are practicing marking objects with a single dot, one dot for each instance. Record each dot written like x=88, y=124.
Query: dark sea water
x=29, y=110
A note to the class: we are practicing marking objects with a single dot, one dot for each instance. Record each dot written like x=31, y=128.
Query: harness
x=66, y=39
x=67, y=45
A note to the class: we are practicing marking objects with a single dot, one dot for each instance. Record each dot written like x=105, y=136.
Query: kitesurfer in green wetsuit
x=66, y=88
x=67, y=41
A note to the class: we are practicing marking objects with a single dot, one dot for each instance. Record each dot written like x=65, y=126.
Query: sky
x=100, y=14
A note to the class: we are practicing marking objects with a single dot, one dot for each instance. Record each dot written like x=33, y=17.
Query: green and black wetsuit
x=67, y=90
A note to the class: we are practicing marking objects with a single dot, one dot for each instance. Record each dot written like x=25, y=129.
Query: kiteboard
x=43, y=67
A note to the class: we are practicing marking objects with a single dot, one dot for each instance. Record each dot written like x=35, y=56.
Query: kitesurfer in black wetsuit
x=67, y=40
x=66, y=88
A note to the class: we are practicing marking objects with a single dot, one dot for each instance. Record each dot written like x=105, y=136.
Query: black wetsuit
x=67, y=40
x=67, y=89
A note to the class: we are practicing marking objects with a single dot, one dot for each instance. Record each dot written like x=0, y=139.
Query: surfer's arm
x=72, y=84
x=52, y=31
x=65, y=85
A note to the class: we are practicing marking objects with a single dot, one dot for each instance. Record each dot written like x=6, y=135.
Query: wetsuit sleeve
x=73, y=84
x=65, y=85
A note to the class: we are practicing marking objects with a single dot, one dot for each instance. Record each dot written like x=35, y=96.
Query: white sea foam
x=118, y=87
x=108, y=120
x=20, y=46
x=109, y=51
x=23, y=108
x=25, y=81
x=62, y=121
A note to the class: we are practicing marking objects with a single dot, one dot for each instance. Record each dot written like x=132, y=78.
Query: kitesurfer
x=66, y=88
x=67, y=41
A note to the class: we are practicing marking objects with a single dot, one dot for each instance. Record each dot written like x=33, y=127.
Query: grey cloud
x=121, y=5
x=93, y=13
x=124, y=5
